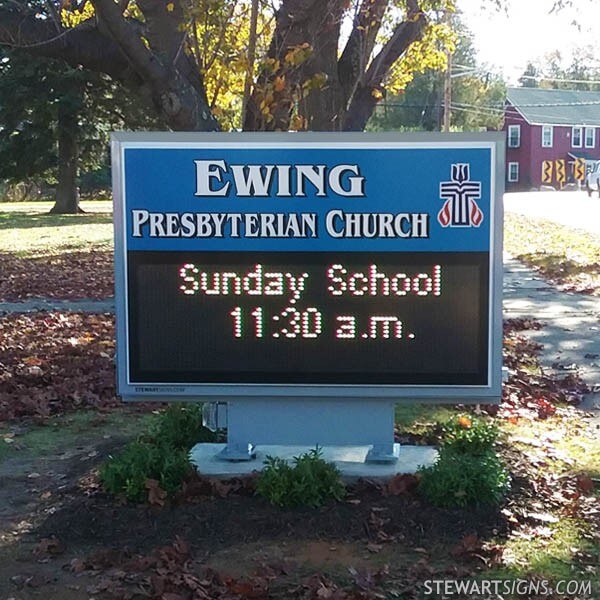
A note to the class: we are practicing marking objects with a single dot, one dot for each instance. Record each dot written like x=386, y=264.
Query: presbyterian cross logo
x=460, y=208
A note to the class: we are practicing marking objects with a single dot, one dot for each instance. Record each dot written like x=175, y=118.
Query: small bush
x=311, y=481
x=162, y=454
x=180, y=426
x=127, y=472
x=468, y=435
x=462, y=479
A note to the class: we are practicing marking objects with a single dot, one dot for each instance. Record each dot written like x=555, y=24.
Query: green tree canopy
x=579, y=71
x=321, y=64
x=56, y=119
x=477, y=95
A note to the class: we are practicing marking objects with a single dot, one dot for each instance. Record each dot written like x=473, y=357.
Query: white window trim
x=551, y=129
x=512, y=179
x=574, y=128
x=516, y=128
x=593, y=130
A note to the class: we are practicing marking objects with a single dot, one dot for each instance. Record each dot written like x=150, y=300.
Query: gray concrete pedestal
x=350, y=460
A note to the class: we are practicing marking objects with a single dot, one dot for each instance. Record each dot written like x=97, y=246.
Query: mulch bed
x=163, y=551
x=211, y=523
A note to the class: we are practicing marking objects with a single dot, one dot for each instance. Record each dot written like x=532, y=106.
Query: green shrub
x=311, y=481
x=162, y=454
x=180, y=426
x=127, y=472
x=468, y=435
x=458, y=479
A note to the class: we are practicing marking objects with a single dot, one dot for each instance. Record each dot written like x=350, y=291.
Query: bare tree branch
x=176, y=86
x=112, y=22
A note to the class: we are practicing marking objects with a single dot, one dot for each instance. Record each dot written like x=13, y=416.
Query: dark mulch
x=213, y=523
x=91, y=542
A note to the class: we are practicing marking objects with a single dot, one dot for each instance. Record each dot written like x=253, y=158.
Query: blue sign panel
x=308, y=265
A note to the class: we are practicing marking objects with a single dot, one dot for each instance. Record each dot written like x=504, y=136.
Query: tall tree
x=55, y=119
x=580, y=71
x=530, y=76
x=312, y=76
x=477, y=95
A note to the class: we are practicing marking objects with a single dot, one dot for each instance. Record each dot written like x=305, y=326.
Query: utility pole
x=448, y=84
x=447, y=94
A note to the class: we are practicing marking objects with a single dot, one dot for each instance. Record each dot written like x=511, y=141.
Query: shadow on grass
x=28, y=220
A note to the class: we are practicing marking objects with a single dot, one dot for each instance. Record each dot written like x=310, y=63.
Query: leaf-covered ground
x=568, y=258
x=54, y=362
x=55, y=256
x=72, y=275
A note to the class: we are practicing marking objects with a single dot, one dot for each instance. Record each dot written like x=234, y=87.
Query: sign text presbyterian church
x=218, y=179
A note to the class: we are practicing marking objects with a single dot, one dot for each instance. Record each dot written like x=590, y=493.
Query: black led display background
x=309, y=317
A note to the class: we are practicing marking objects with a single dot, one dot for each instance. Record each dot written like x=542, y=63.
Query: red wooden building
x=548, y=125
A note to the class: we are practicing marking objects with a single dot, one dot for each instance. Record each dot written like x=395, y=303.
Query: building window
x=576, y=137
x=590, y=137
x=547, y=136
x=513, y=172
x=514, y=136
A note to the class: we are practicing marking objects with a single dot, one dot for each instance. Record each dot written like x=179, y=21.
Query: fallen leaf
x=585, y=483
x=49, y=547
x=77, y=565
x=468, y=545
x=156, y=495
x=543, y=517
x=401, y=484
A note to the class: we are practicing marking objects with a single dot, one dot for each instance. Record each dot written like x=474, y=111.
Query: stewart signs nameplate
x=308, y=265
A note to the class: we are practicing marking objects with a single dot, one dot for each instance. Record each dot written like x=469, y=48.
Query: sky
x=526, y=31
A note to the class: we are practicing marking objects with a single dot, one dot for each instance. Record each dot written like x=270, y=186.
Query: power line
x=559, y=79
x=556, y=104
x=530, y=77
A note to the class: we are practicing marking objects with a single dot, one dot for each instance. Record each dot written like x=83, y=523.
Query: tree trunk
x=310, y=24
x=67, y=193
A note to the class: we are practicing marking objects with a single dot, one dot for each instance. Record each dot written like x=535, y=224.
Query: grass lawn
x=27, y=230
x=64, y=433
x=567, y=257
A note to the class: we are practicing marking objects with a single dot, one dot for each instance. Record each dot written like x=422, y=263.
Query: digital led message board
x=307, y=265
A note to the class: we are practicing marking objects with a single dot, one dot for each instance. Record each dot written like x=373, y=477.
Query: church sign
x=318, y=265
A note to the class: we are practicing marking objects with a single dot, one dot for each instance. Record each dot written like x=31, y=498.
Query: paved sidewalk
x=571, y=324
x=38, y=304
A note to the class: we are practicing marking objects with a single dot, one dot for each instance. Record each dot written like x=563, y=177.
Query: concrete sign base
x=350, y=460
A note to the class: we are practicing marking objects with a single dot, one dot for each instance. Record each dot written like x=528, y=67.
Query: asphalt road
x=572, y=209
